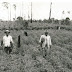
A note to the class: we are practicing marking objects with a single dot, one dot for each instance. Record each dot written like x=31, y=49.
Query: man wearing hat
x=7, y=42
x=45, y=43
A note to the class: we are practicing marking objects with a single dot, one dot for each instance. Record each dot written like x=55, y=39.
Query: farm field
x=28, y=58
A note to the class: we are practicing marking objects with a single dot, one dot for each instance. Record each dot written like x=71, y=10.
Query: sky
x=40, y=9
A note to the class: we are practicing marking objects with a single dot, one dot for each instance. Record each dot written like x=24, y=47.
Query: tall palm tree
x=31, y=12
x=10, y=12
x=14, y=5
x=6, y=5
x=50, y=10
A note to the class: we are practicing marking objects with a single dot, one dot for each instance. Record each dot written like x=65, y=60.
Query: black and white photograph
x=35, y=36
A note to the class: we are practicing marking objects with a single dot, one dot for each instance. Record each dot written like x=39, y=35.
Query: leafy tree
x=67, y=18
x=20, y=18
x=24, y=23
x=66, y=21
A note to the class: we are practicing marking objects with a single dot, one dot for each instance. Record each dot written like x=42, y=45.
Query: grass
x=28, y=58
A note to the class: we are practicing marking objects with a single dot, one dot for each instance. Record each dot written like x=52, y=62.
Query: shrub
x=49, y=21
x=66, y=21
x=56, y=21
x=25, y=24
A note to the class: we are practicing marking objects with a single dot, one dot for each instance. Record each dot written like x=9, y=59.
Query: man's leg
x=48, y=50
x=10, y=50
x=6, y=49
x=45, y=51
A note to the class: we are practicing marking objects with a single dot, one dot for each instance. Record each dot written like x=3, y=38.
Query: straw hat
x=7, y=31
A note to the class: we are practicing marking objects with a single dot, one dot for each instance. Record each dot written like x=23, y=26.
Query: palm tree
x=50, y=11
x=6, y=5
x=31, y=12
x=14, y=5
x=10, y=12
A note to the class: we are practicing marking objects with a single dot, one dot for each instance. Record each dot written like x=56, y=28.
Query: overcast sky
x=40, y=9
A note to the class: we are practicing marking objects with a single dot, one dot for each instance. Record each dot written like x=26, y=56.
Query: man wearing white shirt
x=7, y=42
x=45, y=42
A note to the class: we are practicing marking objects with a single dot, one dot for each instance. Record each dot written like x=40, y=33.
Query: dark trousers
x=43, y=51
x=8, y=50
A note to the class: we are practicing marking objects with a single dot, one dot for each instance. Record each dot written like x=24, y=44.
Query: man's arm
x=50, y=43
x=1, y=42
x=11, y=42
x=40, y=42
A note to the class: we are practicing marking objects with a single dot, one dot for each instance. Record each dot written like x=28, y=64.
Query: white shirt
x=7, y=40
x=47, y=41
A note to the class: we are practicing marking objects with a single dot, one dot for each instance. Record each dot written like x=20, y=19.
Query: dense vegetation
x=28, y=58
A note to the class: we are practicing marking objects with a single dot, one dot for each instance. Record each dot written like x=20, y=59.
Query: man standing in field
x=7, y=42
x=45, y=43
